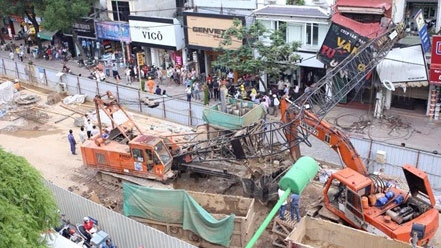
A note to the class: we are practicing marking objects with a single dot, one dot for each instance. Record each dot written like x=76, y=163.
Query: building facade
x=307, y=25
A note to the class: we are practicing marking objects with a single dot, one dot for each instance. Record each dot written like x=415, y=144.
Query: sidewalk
x=172, y=89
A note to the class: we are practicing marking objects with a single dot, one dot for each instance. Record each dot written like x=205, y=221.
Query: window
x=101, y=158
x=121, y=11
x=312, y=32
x=162, y=152
x=137, y=155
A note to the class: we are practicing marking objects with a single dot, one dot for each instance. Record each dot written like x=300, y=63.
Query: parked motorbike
x=20, y=35
x=94, y=238
x=66, y=70
x=69, y=231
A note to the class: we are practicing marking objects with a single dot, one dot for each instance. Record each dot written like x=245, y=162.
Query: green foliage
x=274, y=56
x=295, y=2
x=27, y=207
x=61, y=14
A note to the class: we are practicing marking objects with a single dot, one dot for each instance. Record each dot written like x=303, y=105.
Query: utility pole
x=122, y=42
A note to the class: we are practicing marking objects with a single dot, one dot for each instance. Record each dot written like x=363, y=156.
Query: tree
x=23, y=8
x=56, y=14
x=262, y=50
x=27, y=207
x=62, y=14
x=295, y=2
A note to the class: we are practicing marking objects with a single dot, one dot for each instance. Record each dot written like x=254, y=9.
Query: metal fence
x=170, y=108
x=125, y=232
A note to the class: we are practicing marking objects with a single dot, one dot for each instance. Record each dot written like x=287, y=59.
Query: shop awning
x=404, y=65
x=369, y=30
x=366, y=6
x=46, y=35
x=309, y=60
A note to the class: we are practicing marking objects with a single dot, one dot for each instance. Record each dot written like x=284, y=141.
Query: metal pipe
x=268, y=219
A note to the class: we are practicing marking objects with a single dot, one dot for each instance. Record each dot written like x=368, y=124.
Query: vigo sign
x=157, y=31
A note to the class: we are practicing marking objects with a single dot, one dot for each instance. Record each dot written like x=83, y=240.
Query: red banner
x=435, y=61
x=436, y=50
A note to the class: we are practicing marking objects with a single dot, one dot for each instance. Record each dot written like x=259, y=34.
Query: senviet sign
x=157, y=32
x=205, y=31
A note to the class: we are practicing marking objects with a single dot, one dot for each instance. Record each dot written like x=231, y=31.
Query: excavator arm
x=304, y=116
x=334, y=138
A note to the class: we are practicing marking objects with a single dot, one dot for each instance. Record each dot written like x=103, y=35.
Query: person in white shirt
x=82, y=134
x=280, y=85
x=188, y=92
x=89, y=128
x=283, y=207
x=94, y=131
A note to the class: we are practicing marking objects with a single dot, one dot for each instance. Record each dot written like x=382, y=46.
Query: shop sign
x=435, y=74
x=435, y=60
x=338, y=44
x=85, y=28
x=140, y=58
x=117, y=31
x=178, y=60
x=206, y=32
x=107, y=45
x=157, y=31
x=422, y=31
x=16, y=18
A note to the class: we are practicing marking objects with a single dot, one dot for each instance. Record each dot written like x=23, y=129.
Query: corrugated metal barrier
x=125, y=232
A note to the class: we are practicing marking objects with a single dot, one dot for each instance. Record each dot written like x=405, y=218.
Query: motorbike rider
x=86, y=227
x=66, y=69
x=108, y=244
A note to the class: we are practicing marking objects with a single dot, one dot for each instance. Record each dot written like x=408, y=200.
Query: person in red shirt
x=87, y=225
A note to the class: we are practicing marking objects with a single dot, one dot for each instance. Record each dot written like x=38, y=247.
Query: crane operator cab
x=150, y=155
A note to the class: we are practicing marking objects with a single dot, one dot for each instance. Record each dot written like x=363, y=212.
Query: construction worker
x=295, y=206
x=151, y=85
x=283, y=207
x=283, y=106
x=72, y=142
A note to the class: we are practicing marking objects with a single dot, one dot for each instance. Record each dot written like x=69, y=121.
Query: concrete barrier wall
x=219, y=206
x=319, y=233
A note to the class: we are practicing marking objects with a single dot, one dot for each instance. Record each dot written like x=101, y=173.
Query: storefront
x=434, y=102
x=114, y=40
x=404, y=82
x=160, y=39
x=85, y=30
x=203, y=34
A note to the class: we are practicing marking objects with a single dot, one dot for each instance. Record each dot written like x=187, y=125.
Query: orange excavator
x=365, y=201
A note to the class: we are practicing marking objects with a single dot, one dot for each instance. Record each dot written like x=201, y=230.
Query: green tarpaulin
x=176, y=206
x=239, y=114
